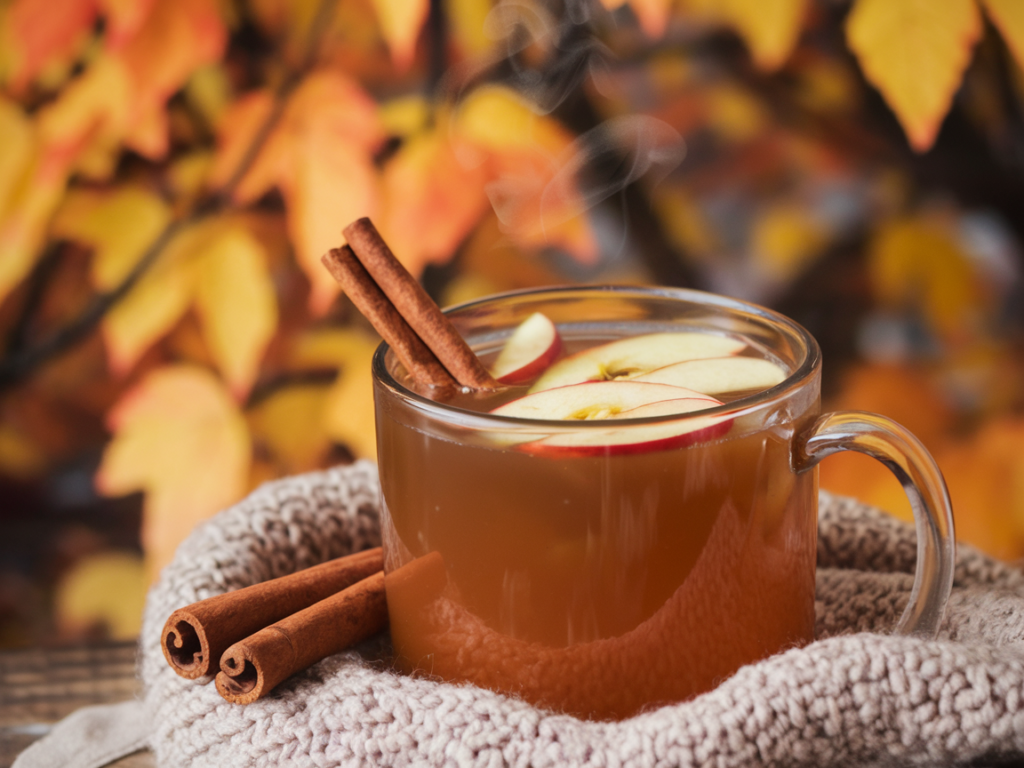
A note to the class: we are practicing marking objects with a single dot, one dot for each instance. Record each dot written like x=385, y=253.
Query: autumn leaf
x=432, y=200
x=917, y=263
x=915, y=52
x=120, y=225
x=319, y=155
x=179, y=437
x=785, y=238
x=770, y=28
x=105, y=589
x=83, y=128
x=236, y=301
x=348, y=415
x=528, y=159
x=177, y=38
x=400, y=23
x=289, y=425
x=1008, y=17
x=42, y=33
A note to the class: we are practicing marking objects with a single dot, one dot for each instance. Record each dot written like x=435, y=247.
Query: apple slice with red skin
x=628, y=358
x=612, y=400
x=716, y=375
x=532, y=347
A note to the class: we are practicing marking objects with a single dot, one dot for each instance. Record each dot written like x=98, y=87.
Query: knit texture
x=854, y=696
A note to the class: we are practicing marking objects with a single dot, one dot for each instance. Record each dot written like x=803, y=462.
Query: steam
x=599, y=164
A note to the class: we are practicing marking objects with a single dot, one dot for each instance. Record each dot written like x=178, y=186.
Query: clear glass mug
x=603, y=584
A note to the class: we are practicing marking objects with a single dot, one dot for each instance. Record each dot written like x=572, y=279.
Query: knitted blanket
x=854, y=696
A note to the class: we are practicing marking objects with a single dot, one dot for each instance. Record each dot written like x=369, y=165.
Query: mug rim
x=453, y=414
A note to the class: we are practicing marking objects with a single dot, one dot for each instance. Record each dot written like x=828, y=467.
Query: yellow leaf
x=433, y=201
x=118, y=225
x=1008, y=17
x=180, y=438
x=918, y=263
x=784, y=239
x=106, y=589
x=89, y=118
x=236, y=301
x=400, y=22
x=19, y=145
x=915, y=52
x=466, y=19
x=497, y=118
x=290, y=426
x=770, y=28
x=405, y=116
x=348, y=408
x=735, y=113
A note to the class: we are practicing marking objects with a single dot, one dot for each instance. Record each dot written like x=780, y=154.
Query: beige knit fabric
x=856, y=696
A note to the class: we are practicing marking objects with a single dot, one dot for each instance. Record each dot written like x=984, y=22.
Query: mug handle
x=922, y=481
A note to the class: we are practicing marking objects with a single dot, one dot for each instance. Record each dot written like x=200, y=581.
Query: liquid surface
x=595, y=585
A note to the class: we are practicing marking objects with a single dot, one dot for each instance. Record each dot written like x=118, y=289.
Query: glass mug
x=603, y=584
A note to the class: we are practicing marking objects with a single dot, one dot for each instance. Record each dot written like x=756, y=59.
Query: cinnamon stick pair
x=263, y=634
x=424, y=340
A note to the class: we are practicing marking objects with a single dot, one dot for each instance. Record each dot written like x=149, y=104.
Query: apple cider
x=596, y=582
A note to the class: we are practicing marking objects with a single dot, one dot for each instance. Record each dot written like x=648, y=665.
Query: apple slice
x=634, y=356
x=611, y=401
x=715, y=375
x=591, y=400
x=531, y=348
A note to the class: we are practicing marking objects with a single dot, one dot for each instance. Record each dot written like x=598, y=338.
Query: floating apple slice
x=635, y=356
x=592, y=400
x=531, y=348
x=715, y=375
x=639, y=439
x=611, y=401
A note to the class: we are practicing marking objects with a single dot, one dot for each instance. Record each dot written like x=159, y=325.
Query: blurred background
x=172, y=170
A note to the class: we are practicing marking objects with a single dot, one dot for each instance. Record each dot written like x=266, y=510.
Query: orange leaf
x=236, y=301
x=124, y=18
x=237, y=130
x=433, y=201
x=180, y=438
x=400, y=22
x=177, y=38
x=1008, y=17
x=532, y=163
x=915, y=52
x=42, y=31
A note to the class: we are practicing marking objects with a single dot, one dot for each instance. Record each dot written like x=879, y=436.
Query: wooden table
x=40, y=686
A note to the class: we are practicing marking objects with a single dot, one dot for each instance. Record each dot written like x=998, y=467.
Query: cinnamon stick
x=419, y=310
x=252, y=667
x=195, y=637
x=421, y=363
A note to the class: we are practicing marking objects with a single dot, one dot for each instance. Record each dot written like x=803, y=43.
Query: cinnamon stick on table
x=196, y=636
x=408, y=298
x=252, y=667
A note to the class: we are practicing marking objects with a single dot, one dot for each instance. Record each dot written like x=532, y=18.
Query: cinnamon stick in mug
x=196, y=636
x=252, y=667
x=419, y=310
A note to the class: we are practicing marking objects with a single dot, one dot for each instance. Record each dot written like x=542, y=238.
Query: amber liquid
x=599, y=585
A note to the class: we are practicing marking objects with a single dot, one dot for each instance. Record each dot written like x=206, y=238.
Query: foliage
x=173, y=170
